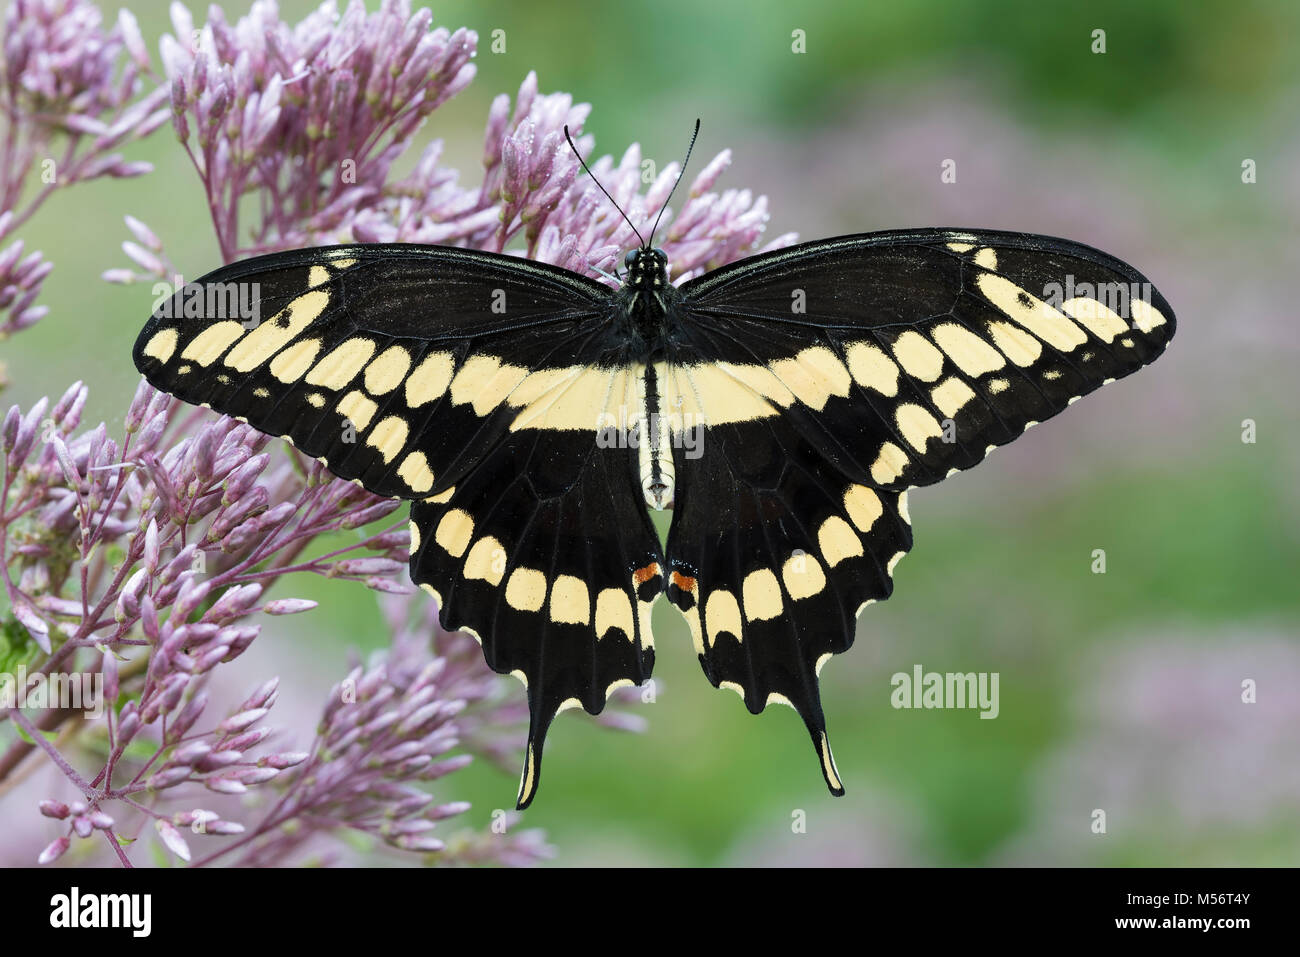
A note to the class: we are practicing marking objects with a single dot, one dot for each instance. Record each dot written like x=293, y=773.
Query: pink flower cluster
x=144, y=557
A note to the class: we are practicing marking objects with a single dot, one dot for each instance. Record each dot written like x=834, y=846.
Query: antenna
x=597, y=182
x=680, y=174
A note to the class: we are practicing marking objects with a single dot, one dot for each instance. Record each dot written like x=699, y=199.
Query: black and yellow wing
x=471, y=384
x=815, y=384
x=833, y=376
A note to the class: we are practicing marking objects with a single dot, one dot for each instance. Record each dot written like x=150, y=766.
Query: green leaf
x=16, y=646
x=47, y=735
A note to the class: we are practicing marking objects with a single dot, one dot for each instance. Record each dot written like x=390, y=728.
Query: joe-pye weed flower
x=145, y=555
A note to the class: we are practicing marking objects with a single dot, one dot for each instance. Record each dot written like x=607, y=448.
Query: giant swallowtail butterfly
x=781, y=405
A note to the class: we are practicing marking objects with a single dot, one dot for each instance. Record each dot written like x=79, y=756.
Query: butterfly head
x=646, y=268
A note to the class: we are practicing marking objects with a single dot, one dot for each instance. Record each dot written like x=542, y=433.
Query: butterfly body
x=782, y=406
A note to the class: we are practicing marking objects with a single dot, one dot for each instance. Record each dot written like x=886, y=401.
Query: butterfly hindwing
x=547, y=556
x=772, y=554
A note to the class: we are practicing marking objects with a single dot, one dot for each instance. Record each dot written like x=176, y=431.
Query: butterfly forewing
x=906, y=355
x=380, y=360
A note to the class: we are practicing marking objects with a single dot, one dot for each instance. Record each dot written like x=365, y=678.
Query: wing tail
x=773, y=553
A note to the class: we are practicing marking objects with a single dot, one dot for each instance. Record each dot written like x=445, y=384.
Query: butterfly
x=781, y=406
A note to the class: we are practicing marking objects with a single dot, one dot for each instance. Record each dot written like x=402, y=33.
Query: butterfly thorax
x=646, y=297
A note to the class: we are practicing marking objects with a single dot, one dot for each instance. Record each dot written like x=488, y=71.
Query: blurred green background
x=1119, y=691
